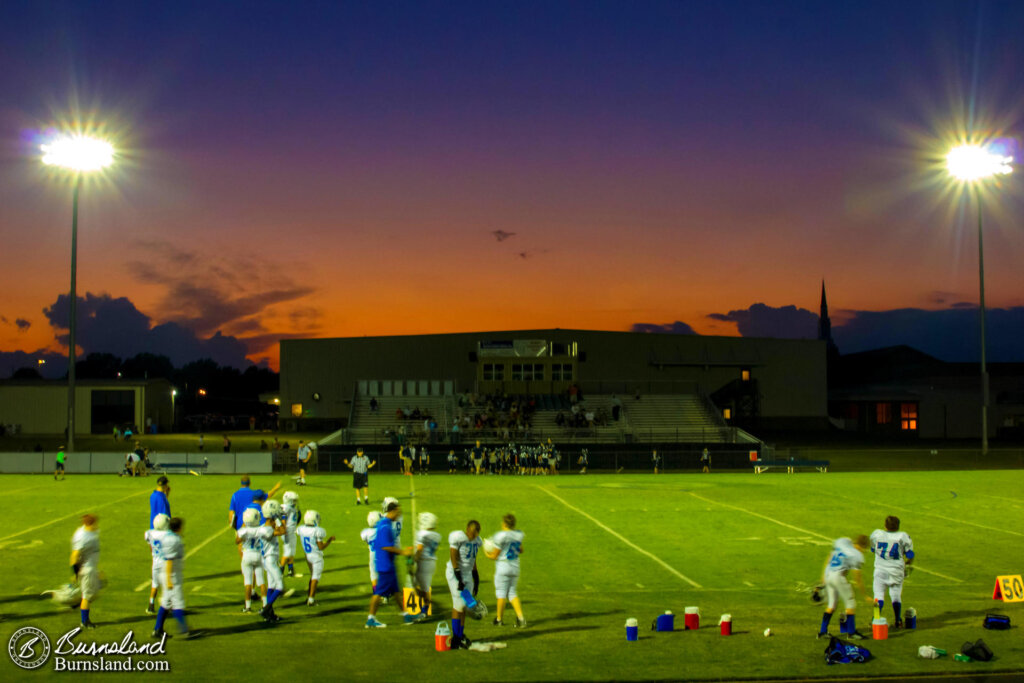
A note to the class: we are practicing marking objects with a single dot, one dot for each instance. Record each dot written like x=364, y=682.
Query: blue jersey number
x=513, y=551
x=156, y=550
x=837, y=559
x=306, y=544
x=893, y=552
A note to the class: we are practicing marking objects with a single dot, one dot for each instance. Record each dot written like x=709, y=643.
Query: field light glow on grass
x=974, y=162
x=78, y=153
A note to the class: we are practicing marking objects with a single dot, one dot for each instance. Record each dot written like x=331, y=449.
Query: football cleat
x=150, y=610
x=246, y=610
x=89, y=624
x=823, y=634
x=520, y=623
x=372, y=622
x=413, y=618
x=158, y=634
x=898, y=624
x=496, y=622
x=856, y=635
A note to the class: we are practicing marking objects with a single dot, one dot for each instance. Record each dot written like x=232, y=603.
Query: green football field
x=598, y=550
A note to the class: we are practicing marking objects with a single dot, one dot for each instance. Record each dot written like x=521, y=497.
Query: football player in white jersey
x=894, y=552
x=154, y=537
x=314, y=541
x=270, y=549
x=368, y=535
x=846, y=558
x=172, y=598
x=505, y=548
x=291, y=514
x=427, y=542
x=463, y=547
x=85, y=560
x=247, y=537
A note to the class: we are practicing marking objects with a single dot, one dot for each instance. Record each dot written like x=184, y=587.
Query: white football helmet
x=479, y=611
x=161, y=522
x=387, y=501
x=428, y=520
x=372, y=519
x=271, y=509
x=489, y=546
x=251, y=517
x=70, y=595
x=290, y=498
x=311, y=518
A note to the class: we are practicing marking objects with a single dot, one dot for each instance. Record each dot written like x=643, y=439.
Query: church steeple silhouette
x=825, y=323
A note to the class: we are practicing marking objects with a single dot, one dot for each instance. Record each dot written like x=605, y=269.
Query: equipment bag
x=996, y=622
x=840, y=652
x=977, y=650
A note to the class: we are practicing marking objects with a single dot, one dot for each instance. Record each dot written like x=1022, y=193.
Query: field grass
x=598, y=549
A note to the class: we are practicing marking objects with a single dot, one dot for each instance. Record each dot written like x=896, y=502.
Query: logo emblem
x=29, y=648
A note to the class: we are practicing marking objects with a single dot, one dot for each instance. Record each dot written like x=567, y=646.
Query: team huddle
x=267, y=535
x=893, y=553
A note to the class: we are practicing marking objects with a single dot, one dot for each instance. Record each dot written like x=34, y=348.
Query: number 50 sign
x=1009, y=589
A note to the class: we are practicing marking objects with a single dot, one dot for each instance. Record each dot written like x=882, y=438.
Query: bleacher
x=674, y=417
x=369, y=426
x=601, y=404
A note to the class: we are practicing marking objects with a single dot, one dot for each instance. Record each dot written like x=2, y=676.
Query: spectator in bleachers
x=373, y=404
x=616, y=407
x=574, y=394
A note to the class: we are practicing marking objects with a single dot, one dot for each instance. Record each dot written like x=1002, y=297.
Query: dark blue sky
x=683, y=161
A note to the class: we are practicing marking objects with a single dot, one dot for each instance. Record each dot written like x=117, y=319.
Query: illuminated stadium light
x=969, y=163
x=78, y=153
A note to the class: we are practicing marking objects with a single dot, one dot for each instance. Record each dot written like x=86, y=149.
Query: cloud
x=207, y=294
x=938, y=297
x=761, y=320
x=678, y=327
x=22, y=324
x=951, y=334
x=114, y=325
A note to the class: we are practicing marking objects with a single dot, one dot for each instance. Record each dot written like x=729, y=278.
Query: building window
x=883, y=413
x=538, y=372
x=561, y=372
x=494, y=372
x=727, y=413
x=745, y=375
x=908, y=416
x=296, y=410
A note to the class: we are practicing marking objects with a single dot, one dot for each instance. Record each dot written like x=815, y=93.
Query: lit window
x=745, y=375
x=883, y=413
x=908, y=416
x=296, y=410
x=727, y=413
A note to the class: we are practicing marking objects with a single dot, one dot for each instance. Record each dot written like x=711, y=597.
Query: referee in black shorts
x=360, y=466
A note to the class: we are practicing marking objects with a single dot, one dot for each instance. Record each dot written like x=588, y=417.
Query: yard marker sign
x=1009, y=588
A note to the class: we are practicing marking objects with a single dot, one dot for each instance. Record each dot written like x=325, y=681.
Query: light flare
x=78, y=153
x=969, y=163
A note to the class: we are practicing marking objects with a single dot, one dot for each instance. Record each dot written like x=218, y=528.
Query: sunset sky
x=335, y=169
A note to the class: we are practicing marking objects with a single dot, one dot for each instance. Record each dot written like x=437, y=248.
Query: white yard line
x=22, y=490
x=622, y=538
x=933, y=514
x=79, y=513
x=189, y=554
x=808, y=532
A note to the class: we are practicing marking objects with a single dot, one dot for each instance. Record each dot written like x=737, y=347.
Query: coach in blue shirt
x=158, y=504
x=243, y=498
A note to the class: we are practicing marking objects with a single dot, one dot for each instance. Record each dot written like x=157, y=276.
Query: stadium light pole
x=78, y=154
x=971, y=165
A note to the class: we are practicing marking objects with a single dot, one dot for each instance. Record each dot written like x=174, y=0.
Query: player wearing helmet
x=247, y=537
x=291, y=514
x=155, y=539
x=314, y=541
x=427, y=542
